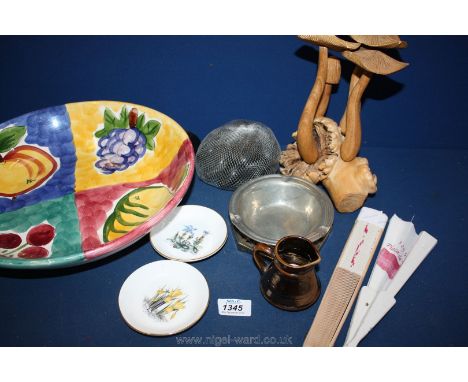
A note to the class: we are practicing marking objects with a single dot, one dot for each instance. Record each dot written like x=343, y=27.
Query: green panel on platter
x=49, y=232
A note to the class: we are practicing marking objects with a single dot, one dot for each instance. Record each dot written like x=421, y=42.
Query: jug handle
x=260, y=252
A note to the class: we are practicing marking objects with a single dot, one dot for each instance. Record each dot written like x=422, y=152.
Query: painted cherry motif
x=10, y=240
x=33, y=253
x=36, y=238
x=40, y=235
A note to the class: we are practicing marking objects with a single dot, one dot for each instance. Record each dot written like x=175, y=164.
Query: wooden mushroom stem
x=352, y=83
x=352, y=142
x=305, y=140
x=371, y=61
x=324, y=101
x=333, y=78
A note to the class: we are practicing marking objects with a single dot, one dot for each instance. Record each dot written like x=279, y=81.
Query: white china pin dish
x=190, y=233
x=163, y=298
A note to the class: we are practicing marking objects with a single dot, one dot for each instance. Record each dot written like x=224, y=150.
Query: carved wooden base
x=348, y=183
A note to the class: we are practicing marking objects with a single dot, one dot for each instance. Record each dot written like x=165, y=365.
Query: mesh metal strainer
x=237, y=152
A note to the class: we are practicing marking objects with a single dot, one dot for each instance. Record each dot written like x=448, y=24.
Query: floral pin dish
x=189, y=233
x=84, y=180
x=163, y=298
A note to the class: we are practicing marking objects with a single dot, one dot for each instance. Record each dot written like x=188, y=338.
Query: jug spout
x=289, y=282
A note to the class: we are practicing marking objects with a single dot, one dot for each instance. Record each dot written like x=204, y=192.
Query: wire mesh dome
x=237, y=152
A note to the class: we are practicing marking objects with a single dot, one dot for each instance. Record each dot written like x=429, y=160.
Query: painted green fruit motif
x=133, y=209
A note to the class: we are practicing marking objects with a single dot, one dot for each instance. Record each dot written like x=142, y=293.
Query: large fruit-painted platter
x=84, y=180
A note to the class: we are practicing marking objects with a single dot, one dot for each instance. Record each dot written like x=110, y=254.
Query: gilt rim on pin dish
x=315, y=233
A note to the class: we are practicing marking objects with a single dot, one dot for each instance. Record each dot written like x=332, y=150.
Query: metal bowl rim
x=324, y=200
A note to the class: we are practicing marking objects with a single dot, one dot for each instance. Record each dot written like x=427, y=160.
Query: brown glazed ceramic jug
x=289, y=282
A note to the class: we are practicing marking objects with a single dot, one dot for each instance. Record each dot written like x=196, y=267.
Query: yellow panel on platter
x=87, y=118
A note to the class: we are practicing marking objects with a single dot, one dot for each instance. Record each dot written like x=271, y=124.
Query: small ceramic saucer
x=163, y=298
x=189, y=233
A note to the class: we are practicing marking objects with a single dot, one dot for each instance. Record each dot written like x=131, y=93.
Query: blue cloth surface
x=414, y=135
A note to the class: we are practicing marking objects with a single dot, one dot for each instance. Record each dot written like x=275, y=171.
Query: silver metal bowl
x=270, y=207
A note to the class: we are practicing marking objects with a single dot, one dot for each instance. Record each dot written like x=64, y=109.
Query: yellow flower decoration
x=160, y=291
x=178, y=305
x=175, y=293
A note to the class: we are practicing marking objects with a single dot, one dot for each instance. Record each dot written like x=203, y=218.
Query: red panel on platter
x=96, y=205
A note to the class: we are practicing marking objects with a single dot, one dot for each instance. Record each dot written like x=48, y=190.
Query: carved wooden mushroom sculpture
x=371, y=62
x=324, y=152
x=305, y=140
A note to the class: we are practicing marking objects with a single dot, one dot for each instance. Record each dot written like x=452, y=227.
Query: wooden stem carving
x=352, y=142
x=352, y=83
x=305, y=140
x=324, y=101
x=333, y=78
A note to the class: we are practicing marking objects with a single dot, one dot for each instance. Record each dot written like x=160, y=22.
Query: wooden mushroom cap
x=330, y=42
x=380, y=41
x=374, y=61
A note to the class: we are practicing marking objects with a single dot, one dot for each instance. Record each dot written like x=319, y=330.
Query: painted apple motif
x=24, y=167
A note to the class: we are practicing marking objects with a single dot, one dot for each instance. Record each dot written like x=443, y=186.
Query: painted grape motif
x=120, y=149
x=124, y=140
